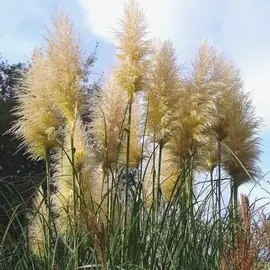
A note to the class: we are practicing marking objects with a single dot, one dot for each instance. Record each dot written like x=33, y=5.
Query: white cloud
x=239, y=27
x=102, y=16
x=257, y=81
x=166, y=19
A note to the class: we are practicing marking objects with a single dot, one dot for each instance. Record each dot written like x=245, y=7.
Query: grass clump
x=141, y=187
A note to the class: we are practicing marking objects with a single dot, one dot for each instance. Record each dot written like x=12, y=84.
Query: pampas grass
x=39, y=120
x=108, y=124
x=65, y=65
x=39, y=227
x=124, y=192
x=242, y=143
x=88, y=188
x=163, y=86
x=133, y=48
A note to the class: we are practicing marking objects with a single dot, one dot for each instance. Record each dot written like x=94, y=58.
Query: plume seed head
x=133, y=49
x=38, y=228
x=38, y=119
x=65, y=64
x=242, y=149
x=88, y=181
x=108, y=123
x=163, y=87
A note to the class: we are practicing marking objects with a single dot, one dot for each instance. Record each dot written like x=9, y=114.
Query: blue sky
x=239, y=27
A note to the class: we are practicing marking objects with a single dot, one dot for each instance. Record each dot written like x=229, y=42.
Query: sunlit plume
x=65, y=65
x=89, y=179
x=162, y=87
x=38, y=118
x=133, y=48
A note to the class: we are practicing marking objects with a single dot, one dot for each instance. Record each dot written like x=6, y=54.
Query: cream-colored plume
x=163, y=87
x=65, y=65
x=38, y=224
x=38, y=118
x=109, y=122
x=132, y=49
x=89, y=183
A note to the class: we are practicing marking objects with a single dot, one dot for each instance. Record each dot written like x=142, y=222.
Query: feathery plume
x=202, y=65
x=38, y=119
x=228, y=85
x=133, y=49
x=162, y=88
x=108, y=123
x=208, y=92
x=88, y=182
x=194, y=117
x=38, y=228
x=242, y=146
x=65, y=65
x=196, y=108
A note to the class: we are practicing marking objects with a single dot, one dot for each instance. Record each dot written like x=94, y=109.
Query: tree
x=13, y=163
